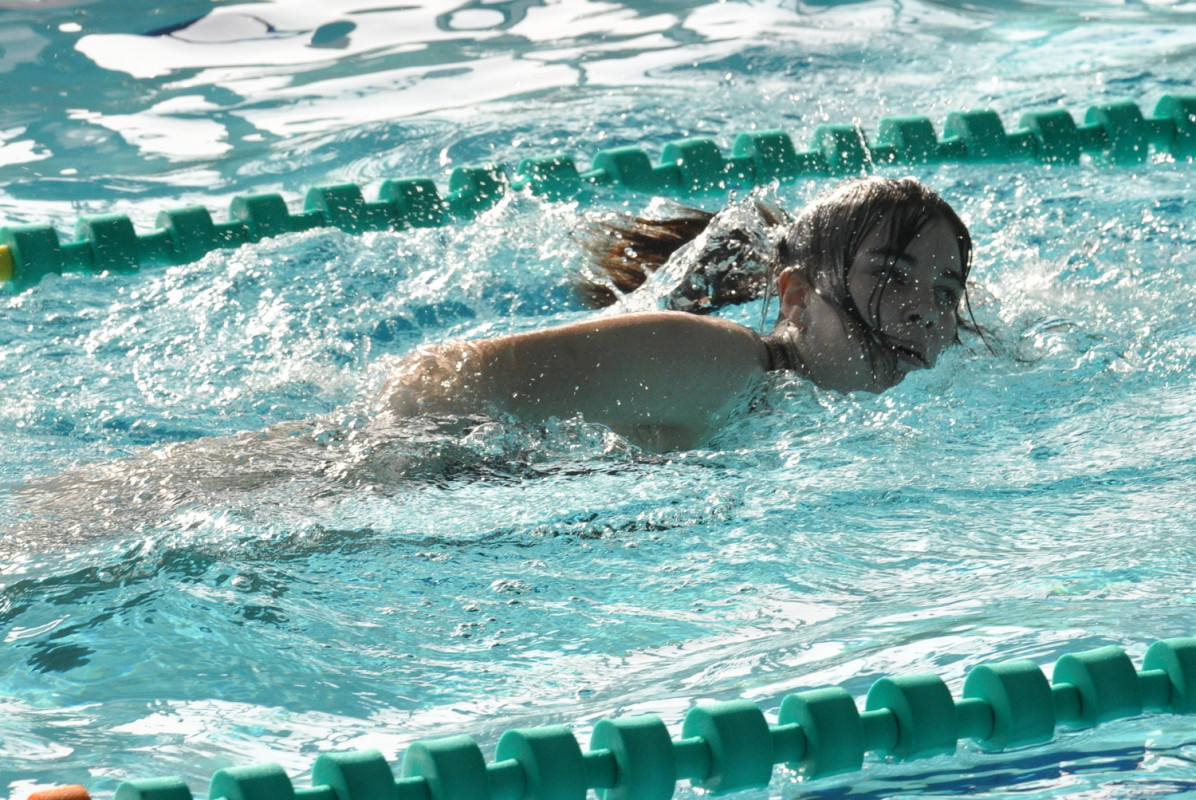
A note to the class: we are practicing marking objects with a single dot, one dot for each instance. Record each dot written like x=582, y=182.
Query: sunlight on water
x=213, y=555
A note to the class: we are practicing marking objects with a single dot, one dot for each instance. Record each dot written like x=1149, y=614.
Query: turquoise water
x=172, y=608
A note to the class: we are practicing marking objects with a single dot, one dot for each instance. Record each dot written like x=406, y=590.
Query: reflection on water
x=106, y=106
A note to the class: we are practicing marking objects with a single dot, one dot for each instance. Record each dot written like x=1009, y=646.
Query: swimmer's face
x=909, y=299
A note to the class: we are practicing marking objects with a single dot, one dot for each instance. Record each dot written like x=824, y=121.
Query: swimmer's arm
x=665, y=371
x=664, y=377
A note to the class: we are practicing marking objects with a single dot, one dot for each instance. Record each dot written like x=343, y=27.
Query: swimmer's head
x=871, y=276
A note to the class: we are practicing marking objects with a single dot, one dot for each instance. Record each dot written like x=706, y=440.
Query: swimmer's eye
x=947, y=296
x=894, y=271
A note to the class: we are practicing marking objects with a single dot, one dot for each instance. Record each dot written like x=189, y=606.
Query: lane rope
x=1116, y=133
x=729, y=746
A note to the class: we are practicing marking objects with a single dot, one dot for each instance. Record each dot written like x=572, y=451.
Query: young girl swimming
x=870, y=277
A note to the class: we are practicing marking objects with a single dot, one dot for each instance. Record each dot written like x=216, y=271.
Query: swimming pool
x=355, y=591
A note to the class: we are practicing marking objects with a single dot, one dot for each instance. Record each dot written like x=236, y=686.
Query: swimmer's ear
x=794, y=292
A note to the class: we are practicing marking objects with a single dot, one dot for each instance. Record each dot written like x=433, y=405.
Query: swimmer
x=870, y=278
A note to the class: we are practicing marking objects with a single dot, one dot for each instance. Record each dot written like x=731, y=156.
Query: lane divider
x=729, y=746
x=1115, y=132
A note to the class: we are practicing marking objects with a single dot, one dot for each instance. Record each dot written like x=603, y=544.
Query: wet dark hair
x=826, y=237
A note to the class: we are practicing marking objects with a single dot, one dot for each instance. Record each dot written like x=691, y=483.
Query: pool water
x=179, y=596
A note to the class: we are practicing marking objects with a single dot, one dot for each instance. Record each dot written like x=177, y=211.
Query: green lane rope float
x=729, y=746
x=1115, y=132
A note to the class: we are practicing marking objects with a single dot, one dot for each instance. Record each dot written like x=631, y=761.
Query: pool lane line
x=1116, y=133
x=730, y=746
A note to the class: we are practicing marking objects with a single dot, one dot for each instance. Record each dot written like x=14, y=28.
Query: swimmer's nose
x=921, y=318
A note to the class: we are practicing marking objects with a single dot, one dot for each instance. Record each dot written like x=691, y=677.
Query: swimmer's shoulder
x=707, y=338
x=687, y=331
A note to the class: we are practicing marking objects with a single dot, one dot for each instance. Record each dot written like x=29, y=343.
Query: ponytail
x=715, y=260
x=625, y=250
